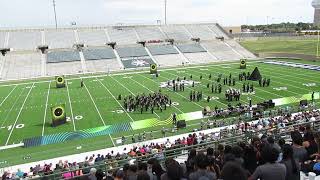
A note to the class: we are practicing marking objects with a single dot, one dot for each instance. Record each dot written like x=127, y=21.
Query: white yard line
x=123, y=86
x=148, y=90
x=237, y=82
x=45, y=110
x=8, y=113
x=95, y=105
x=260, y=89
x=202, y=85
x=114, y=145
x=174, y=92
x=72, y=116
x=116, y=100
x=8, y=95
x=14, y=125
x=153, y=92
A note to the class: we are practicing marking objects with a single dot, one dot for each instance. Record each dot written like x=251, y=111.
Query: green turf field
x=276, y=45
x=25, y=106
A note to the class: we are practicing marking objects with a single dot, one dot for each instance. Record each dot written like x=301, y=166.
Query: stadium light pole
x=55, y=13
x=165, y=12
x=318, y=44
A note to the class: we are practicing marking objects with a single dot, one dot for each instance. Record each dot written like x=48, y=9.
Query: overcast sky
x=19, y=13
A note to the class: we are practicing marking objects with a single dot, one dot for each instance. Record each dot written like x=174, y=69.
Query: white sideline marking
x=72, y=116
x=8, y=95
x=14, y=125
x=116, y=100
x=95, y=105
x=114, y=145
x=45, y=110
x=11, y=108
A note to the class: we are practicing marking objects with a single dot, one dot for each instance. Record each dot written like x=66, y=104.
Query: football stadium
x=166, y=101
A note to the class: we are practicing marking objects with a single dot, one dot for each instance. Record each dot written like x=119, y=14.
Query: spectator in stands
x=201, y=171
x=92, y=175
x=142, y=175
x=174, y=170
x=237, y=152
x=271, y=170
x=142, y=166
x=309, y=142
x=292, y=165
x=270, y=140
x=232, y=171
x=157, y=169
x=250, y=158
x=132, y=172
x=299, y=152
x=191, y=160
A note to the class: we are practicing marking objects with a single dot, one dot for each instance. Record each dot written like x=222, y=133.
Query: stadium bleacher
x=201, y=31
x=150, y=33
x=61, y=46
x=123, y=35
x=63, y=68
x=221, y=50
x=19, y=66
x=30, y=40
x=191, y=48
x=2, y=39
x=162, y=49
x=96, y=54
x=63, y=56
x=132, y=51
x=93, y=37
x=60, y=39
x=102, y=65
x=176, y=32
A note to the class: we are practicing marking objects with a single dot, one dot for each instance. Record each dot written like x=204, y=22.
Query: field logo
x=310, y=84
x=169, y=84
x=139, y=63
x=212, y=98
x=281, y=88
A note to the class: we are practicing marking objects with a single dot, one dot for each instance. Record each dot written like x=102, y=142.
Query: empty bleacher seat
x=162, y=50
x=132, y=52
x=24, y=40
x=93, y=37
x=96, y=54
x=60, y=39
x=191, y=48
x=63, y=56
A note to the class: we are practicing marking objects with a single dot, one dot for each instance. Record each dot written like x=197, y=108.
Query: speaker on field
x=58, y=114
x=153, y=69
x=181, y=124
x=303, y=103
x=243, y=63
x=60, y=82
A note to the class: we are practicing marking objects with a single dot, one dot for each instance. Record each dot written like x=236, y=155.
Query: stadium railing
x=109, y=165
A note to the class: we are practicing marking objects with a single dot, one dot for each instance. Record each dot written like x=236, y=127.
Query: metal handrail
x=107, y=165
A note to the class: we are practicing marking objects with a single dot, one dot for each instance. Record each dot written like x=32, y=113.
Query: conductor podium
x=58, y=114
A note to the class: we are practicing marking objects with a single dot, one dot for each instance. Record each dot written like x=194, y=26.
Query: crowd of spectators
x=260, y=157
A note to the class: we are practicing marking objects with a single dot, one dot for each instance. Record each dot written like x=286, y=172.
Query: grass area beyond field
x=25, y=107
x=278, y=45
